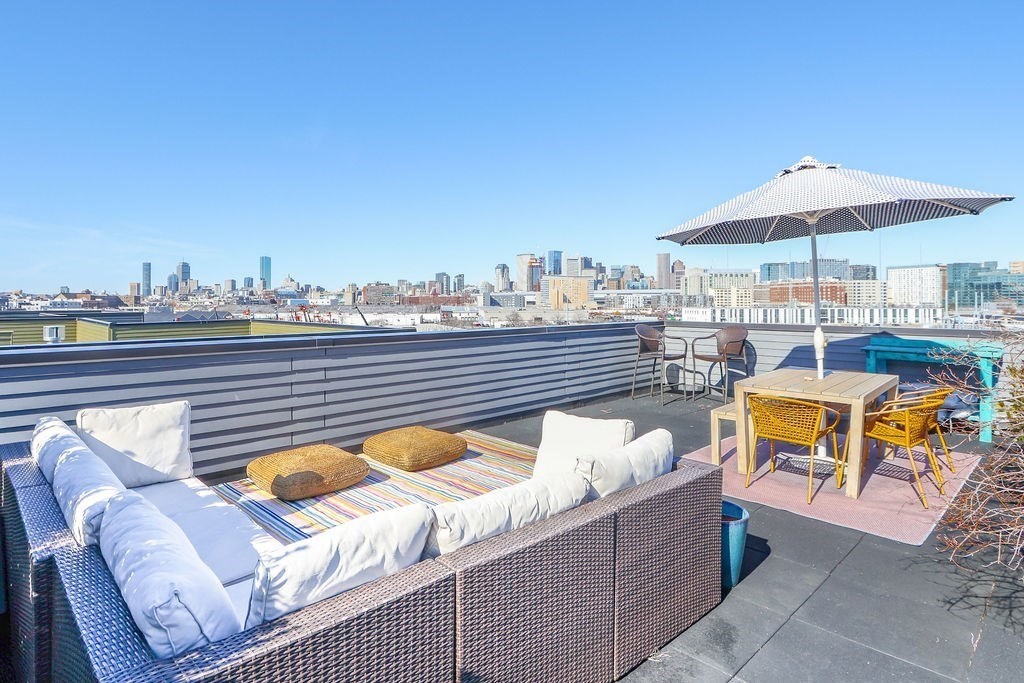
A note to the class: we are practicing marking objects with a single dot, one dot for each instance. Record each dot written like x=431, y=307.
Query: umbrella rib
x=858, y=217
x=949, y=205
x=769, y=233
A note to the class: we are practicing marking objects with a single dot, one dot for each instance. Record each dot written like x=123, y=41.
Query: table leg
x=742, y=429
x=856, y=452
x=716, y=441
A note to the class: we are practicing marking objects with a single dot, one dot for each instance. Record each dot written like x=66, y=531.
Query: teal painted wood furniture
x=884, y=348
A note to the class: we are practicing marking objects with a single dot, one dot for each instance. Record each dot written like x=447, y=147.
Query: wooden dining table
x=854, y=389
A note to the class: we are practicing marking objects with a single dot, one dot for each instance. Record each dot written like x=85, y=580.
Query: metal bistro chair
x=651, y=345
x=801, y=423
x=730, y=344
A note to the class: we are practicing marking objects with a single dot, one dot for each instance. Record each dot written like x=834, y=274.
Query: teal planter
x=734, y=539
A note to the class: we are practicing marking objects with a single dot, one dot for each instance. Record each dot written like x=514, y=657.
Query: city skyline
x=129, y=136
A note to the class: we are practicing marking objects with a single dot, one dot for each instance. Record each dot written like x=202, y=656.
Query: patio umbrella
x=811, y=198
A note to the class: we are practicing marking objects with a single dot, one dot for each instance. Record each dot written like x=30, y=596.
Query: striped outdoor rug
x=490, y=463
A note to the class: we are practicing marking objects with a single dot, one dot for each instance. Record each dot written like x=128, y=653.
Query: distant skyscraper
x=862, y=272
x=775, y=272
x=172, y=283
x=459, y=283
x=502, y=281
x=247, y=283
x=444, y=283
x=554, y=263
x=230, y=286
x=147, y=279
x=572, y=267
x=134, y=289
x=265, y=269
x=664, y=272
x=184, y=274
x=523, y=271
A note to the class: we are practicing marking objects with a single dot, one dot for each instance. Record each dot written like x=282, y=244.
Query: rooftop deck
x=817, y=601
x=820, y=602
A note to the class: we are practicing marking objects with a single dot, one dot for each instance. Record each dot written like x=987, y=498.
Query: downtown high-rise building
x=554, y=262
x=523, y=261
x=247, y=283
x=502, y=280
x=147, y=279
x=459, y=282
x=172, y=283
x=230, y=286
x=265, y=270
x=663, y=279
x=184, y=273
x=444, y=283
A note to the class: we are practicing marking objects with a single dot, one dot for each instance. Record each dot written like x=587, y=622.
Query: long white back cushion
x=82, y=485
x=564, y=437
x=51, y=438
x=337, y=560
x=142, y=444
x=495, y=512
x=641, y=460
x=174, y=598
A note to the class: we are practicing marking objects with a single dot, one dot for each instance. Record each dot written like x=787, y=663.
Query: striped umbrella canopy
x=811, y=198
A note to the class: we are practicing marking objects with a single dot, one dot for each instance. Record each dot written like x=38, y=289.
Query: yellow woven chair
x=937, y=396
x=906, y=423
x=800, y=423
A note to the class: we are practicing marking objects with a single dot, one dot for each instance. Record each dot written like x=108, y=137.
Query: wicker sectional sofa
x=585, y=595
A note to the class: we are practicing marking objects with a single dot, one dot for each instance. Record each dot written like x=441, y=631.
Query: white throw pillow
x=82, y=485
x=143, y=444
x=563, y=437
x=644, y=459
x=495, y=512
x=175, y=600
x=50, y=439
x=337, y=560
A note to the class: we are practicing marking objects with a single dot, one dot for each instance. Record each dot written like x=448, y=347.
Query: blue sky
x=357, y=141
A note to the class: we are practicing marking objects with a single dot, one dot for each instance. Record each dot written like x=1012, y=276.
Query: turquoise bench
x=886, y=348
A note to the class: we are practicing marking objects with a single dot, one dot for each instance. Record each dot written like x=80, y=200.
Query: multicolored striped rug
x=490, y=463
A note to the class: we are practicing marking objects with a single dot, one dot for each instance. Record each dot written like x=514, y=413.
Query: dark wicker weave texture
x=414, y=448
x=307, y=471
x=536, y=604
x=667, y=559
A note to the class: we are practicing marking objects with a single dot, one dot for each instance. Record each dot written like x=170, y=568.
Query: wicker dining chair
x=730, y=344
x=938, y=397
x=800, y=423
x=652, y=345
x=905, y=423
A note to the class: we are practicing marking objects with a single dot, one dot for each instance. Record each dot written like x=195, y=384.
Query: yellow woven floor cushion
x=307, y=471
x=414, y=448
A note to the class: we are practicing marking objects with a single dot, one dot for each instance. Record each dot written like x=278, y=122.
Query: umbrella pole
x=819, y=335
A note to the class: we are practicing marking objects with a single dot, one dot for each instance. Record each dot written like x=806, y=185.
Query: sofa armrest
x=535, y=604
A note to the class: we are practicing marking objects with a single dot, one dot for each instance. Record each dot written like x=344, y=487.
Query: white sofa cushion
x=142, y=444
x=564, y=437
x=467, y=521
x=175, y=600
x=225, y=538
x=337, y=560
x=50, y=439
x=641, y=460
x=82, y=485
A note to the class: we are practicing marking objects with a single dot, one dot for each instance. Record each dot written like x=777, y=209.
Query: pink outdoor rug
x=888, y=505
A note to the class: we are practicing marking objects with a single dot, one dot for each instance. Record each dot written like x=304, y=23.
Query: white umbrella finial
x=805, y=163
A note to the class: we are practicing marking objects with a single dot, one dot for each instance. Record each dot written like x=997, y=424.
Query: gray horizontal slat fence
x=785, y=346
x=253, y=396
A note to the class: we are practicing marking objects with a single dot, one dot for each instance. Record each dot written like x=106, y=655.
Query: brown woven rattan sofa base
x=583, y=596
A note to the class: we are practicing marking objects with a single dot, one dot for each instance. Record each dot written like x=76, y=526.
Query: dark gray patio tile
x=801, y=539
x=674, y=667
x=925, y=635
x=802, y=652
x=728, y=636
x=999, y=657
x=779, y=584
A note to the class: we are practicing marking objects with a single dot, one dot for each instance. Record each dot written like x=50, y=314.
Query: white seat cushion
x=467, y=521
x=641, y=460
x=227, y=540
x=143, y=444
x=181, y=495
x=239, y=594
x=174, y=598
x=337, y=560
x=82, y=485
x=50, y=439
x=564, y=436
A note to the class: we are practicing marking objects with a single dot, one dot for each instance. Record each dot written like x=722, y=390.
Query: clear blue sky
x=356, y=141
